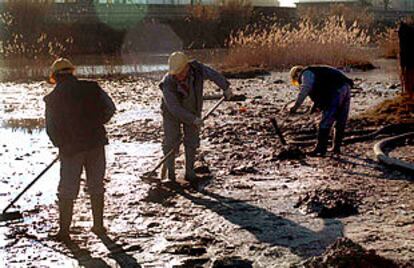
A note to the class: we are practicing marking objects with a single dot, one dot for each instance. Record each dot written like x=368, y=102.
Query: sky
x=287, y=2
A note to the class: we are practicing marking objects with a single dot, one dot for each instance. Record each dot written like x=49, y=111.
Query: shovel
x=16, y=215
x=289, y=151
x=152, y=172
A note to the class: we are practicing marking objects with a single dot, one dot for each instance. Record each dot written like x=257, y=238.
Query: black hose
x=390, y=143
x=352, y=136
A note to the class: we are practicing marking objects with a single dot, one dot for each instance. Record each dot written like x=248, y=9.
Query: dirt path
x=247, y=210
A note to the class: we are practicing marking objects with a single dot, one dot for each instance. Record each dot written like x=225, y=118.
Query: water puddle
x=22, y=103
x=25, y=125
x=128, y=113
x=25, y=150
x=119, y=69
x=89, y=70
x=23, y=155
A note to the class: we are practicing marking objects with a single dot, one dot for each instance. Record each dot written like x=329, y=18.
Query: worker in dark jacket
x=76, y=111
x=182, y=104
x=330, y=91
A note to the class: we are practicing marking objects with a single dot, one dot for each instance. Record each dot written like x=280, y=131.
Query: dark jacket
x=173, y=94
x=76, y=111
x=327, y=82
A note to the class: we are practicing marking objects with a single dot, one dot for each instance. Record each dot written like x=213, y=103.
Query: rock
x=238, y=97
x=232, y=262
x=202, y=169
x=153, y=225
x=278, y=81
x=393, y=86
x=187, y=249
x=240, y=170
x=291, y=153
x=193, y=263
x=344, y=253
x=329, y=203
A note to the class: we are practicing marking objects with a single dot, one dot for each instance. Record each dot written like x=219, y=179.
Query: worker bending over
x=330, y=91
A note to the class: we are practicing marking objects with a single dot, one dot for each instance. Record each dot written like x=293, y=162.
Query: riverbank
x=247, y=210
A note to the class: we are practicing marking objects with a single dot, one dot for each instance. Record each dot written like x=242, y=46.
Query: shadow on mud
x=266, y=226
x=386, y=173
x=118, y=253
x=84, y=257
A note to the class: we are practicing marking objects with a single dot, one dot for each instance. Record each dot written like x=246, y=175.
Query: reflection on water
x=87, y=70
x=98, y=65
x=25, y=150
x=25, y=124
x=119, y=69
x=130, y=114
x=22, y=156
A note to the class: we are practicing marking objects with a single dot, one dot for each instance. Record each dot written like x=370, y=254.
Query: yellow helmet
x=60, y=66
x=294, y=74
x=177, y=62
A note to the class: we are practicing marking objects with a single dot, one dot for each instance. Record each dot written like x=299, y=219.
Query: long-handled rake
x=16, y=215
x=151, y=173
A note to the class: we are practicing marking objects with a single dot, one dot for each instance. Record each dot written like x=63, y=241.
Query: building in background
x=324, y=3
x=270, y=3
x=401, y=5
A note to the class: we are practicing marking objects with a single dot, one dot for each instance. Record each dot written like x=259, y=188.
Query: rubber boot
x=322, y=145
x=339, y=136
x=65, y=219
x=190, y=154
x=97, y=202
x=170, y=164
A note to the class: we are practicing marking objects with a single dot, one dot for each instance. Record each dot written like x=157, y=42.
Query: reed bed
x=388, y=44
x=279, y=47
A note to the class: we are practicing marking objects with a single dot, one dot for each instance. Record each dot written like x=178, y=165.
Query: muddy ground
x=247, y=214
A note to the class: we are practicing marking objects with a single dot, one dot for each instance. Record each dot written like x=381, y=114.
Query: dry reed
x=279, y=47
x=388, y=44
x=395, y=110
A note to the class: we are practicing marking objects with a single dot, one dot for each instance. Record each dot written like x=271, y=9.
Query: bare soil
x=245, y=215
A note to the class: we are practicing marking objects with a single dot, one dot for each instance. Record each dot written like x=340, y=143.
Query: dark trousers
x=71, y=168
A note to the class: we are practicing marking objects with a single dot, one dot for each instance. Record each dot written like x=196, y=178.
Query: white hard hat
x=177, y=62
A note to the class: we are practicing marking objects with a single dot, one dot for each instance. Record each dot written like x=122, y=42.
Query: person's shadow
x=266, y=226
x=118, y=253
x=83, y=256
x=370, y=164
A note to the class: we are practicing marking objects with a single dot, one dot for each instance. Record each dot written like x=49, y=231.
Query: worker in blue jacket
x=330, y=91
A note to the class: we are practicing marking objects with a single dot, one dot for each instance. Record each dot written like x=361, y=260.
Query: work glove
x=198, y=122
x=228, y=94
